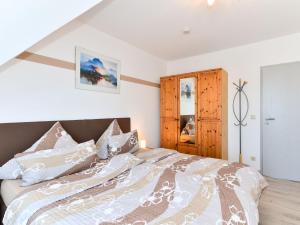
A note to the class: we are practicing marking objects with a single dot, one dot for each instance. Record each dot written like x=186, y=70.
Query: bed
x=157, y=186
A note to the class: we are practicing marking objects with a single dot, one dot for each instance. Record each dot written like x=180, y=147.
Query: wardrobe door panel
x=210, y=95
x=187, y=109
x=188, y=149
x=168, y=97
x=210, y=137
x=168, y=133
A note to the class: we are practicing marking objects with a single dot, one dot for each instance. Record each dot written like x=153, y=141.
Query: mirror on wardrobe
x=187, y=132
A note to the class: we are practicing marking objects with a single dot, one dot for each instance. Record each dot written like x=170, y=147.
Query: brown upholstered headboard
x=17, y=137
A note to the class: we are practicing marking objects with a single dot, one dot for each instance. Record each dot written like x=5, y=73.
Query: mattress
x=11, y=189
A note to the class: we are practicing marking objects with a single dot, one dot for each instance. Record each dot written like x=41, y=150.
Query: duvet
x=157, y=186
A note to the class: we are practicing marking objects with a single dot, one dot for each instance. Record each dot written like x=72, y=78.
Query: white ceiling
x=156, y=25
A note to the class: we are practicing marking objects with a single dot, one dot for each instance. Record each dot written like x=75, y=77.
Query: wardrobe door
x=187, y=114
x=168, y=112
x=210, y=137
x=168, y=133
x=212, y=113
x=168, y=97
x=210, y=95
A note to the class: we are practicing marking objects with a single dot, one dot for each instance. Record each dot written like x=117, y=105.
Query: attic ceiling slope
x=24, y=23
x=157, y=26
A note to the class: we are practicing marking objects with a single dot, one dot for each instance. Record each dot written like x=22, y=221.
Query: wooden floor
x=280, y=203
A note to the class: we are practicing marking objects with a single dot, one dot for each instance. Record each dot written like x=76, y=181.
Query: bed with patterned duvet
x=158, y=186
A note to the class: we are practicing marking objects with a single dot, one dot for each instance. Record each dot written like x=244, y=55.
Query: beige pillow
x=123, y=143
x=55, y=138
x=48, y=164
x=102, y=143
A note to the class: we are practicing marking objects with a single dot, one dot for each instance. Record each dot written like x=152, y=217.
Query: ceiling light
x=210, y=2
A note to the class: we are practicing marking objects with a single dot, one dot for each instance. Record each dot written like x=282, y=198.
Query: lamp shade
x=143, y=143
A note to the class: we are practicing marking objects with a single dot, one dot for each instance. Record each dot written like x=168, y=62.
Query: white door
x=281, y=121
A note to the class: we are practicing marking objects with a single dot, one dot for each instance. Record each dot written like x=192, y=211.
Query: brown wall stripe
x=32, y=57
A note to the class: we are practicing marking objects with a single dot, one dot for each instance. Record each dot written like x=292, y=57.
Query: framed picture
x=96, y=72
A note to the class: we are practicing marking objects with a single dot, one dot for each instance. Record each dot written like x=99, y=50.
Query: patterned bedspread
x=153, y=187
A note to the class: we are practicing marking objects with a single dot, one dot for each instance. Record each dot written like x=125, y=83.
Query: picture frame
x=96, y=72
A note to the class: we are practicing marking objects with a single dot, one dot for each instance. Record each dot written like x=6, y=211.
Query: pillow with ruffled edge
x=123, y=143
x=47, y=164
x=55, y=138
x=102, y=143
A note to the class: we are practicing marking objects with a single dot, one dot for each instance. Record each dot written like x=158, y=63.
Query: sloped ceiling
x=24, y=23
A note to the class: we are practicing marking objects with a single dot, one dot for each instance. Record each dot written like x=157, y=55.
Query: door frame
x=261, y=119
x=261, y=109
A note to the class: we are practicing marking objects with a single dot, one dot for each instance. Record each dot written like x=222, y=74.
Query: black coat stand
x=240, y=93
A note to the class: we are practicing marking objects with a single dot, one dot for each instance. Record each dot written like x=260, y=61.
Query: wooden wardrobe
x=193, y=113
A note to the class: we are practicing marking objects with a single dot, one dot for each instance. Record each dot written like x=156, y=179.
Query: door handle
x=269, y=119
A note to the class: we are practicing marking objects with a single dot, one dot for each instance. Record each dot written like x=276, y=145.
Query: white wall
x=34, y=92
x=21, y=32
x=244, y=62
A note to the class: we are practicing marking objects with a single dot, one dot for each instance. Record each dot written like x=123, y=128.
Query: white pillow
x=55, y=138
x=47, y=165
x=102, y=143
x=123, y=143
x=10, y=170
